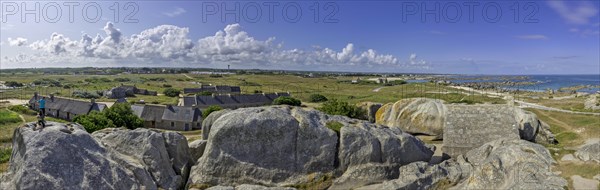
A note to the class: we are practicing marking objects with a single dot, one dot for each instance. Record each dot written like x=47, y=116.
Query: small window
x=172, y=124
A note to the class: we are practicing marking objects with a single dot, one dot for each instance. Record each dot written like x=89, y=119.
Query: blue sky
x=543, y=37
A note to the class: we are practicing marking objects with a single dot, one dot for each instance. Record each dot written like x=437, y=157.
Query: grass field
x=332, y=87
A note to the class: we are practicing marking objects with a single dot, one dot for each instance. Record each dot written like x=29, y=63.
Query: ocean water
x=544, y=82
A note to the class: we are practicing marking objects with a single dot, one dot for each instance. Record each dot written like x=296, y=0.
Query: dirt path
x=187, y=76
x=541, y=107
x=378, y=89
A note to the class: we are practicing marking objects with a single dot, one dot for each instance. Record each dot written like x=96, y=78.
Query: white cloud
x=533, y=37
x=17, y=41
x=579, y=13
x=436, y=32
x=178, y=11
x=171, y=44
x=585, y=32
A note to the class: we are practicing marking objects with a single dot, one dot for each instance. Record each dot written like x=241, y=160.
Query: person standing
x=42, y=106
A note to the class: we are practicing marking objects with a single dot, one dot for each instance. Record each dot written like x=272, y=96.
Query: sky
x=456, y=37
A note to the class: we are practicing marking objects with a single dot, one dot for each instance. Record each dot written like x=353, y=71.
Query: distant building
x=231, y=100
x=169, y=117
x=64, y=108
x=356, y=80
x=124, y=91
x=213, y=89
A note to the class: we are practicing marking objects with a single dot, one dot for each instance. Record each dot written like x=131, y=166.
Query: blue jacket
x=42, y=103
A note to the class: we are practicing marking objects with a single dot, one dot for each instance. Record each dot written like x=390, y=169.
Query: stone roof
x=213, y=89
x=152, y=113
x=232, y=100
x=78, y=107
x=180, y=113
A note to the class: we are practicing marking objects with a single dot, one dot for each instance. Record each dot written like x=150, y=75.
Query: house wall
x=177, y=125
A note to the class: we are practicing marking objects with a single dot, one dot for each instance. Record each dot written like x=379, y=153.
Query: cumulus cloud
x=17, y=41
x=178, y=11
x=577, y=12
x=171, y=44
x=533, y=37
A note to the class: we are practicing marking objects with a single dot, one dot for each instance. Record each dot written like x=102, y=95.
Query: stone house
x=169, y=117
x=64, y=108
x=231, y=101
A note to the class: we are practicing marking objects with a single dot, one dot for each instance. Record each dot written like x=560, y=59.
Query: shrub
x=13, y=84
x=210, y=109
x=122, y=79
x=86, y=94
x=158, y=79
x=205, y=93
x=94, y=121
x=171, y=92
x=180, y=80
x=167, y=85
x=285, y=100
x=22, y=110
x=5, y=154
x=336, y=107
x=317, y=98
x=246, y=83
x=122, y=116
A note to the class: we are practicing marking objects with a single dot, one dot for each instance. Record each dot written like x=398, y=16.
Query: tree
x=122, y=116
x=93, y=121
x=336, y=107
x=210, y=109
x=317, y=98
x=171, y=92
x=285, y=100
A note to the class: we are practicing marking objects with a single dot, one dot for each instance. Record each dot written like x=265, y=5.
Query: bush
x=171, y=92
x=317, y=98
x=9, y=117
x=122, y=116
x=167, y=85
x=5, y=154
x=86, y=94
x=285, y=100
x=210, y=109
x=22, y=110
x=122, y=79
x=94, y=121
x=336, y=107
x=158, y=79
x=205, y=93
x=13, y=84
x=246, y=83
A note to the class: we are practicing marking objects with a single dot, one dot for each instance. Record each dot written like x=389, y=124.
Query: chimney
x=35, y=95
x=52, y=97
x=93, y=100
x=229, y=95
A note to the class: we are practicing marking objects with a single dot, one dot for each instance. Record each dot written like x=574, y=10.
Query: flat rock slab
x=568, y=157
x=583, y=183
x=468, y=127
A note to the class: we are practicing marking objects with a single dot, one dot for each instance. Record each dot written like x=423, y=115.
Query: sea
x=543, y=82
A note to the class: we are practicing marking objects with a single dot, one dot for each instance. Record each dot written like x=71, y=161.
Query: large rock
x=414, y=115
x=533, y=129
x=165, y=155
x=370, y=109
x=279, y=146
x=66, y=157
x=589, y=152
x=500, y=164
x=209, y=120
x=197, y=149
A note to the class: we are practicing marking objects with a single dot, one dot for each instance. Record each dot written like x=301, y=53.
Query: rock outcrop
x=414, y=115
x=197, y=149
x=209, y=120
x=279, y=146
x=500, y=164
x=589, y=152
x=65, y=156
x=370, y=110
x=432, y=117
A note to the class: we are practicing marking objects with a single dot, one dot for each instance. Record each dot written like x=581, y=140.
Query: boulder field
x=276, y=147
